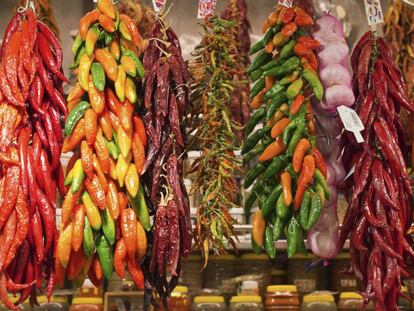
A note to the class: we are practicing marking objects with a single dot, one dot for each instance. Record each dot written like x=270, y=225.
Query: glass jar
x=219, y=269
x=209, y=303
x=86, y=304
x=258, y=265
x=340, y=282
x=278, y=276
x=246, y=303
x=282, y=298
x=179, y=300
x=307, y=281
x=249, y=288
x=350, y=301
x=318, y=302
x=55, y=303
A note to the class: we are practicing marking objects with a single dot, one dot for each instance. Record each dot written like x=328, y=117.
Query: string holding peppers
x=104, y=212
x=290, y=180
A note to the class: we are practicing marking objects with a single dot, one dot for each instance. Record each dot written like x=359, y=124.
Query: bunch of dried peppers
x=379, y=211
x=291, y=174
x=166, y=96
x=104, y=213
x=31, y=108
x=213, y=70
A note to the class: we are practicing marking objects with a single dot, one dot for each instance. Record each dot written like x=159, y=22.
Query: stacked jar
x=318, y=302
x=209, y=303
x=282, y=297
x=246, y=303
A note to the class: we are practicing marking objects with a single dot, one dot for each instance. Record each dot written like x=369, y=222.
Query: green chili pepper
x=267, y=140
x=270, y=243
x=288, y=67
x=105, y=255
x=287, y=50
x=108, y=226
x=77, y=43
x=269, y=205
x=78, y=56
x=256, y=117
x=138, y=64
x=301, y=247
x=277, y=100
x=319, y=190
x=98, y=76
x=252, y=174
x=140, y=206
x=270, y=65
x=305, y=210
x=75, y=115
x=88, y=242
x=90, y=44
x=261, y=59
x=294, y=89
x=278, y=226
x=69, y=178
x=257, y=87
x=275, y=90
x=253, y=140
x=281, y=209
x=259, y=45
x=290, y=78
x=255, y=75
x=292, y=172
x=289, y=130
x=256, y=192
x=318, y=176
x=276, y=166
x=292, y=237
x=254, y=152
x=314, y=82
x=113, y=149
x=118, y=20
x=78, y=176
x=256, y=248
x=315, y=210
x=297, y=135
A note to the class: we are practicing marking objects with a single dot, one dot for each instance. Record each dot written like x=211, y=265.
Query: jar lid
x=250, y=284
x=350, y=295
x=318, y=298
x=213, y=299
x=245, y=298
x=222, y=257
x=87, y=301
x=56, y=299
x=342, y=256
x=278, y=272
x=180, y=289
x=281, y=288
x=253, y=256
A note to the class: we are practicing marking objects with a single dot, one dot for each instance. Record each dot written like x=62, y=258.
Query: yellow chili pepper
x=112, y=169
x=122, y=165
x=141, y=240
x=78, y=176
x=84, y=68
x=108, y=62
x=115, y=49
x=91, y=38
x=64, y=245
x=129, y=65
x=75, y=93
x=92, y=212
x=132, y=180
x=120, y=84
x=130, y=90
x=124, y=31
x=107, y=7
x=124, y=140
x=96, y=98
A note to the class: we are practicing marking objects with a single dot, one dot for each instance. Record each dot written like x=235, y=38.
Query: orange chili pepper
x=309, y=67
x=129, y=230
x=112, y=169
x=286, y=15
x=96, y=191
x=120, y=258
x=266, y=26
x=107, y=23
x=107, y=7
x=286, y=182
x=75, y=93
x=64, y=245
x=78, y=224
x=99, y=173
x=96, y=267
x=269, y=82
x=76, y=262
x=93, y=278
x=138, y=152
x=132, y=28
x=311, y=127
x=139, y=128
x=114, y=120
x=91, y=125
x=289, y=29
x=258, y=100
x=105, y=123
x=102, y=151
x=313, y=61
x=86, y=21
x=279, y=127
x=108, y=62
x=123, y=201
x=125, y=115
x=68, y=205
x=309, y=42
x=115, y=49
x=320, y=162
x=272, y=18
x=296, y=104
x=300, y=151
x=75, y=138
x=72, y=104
x=112, y=200
x=273, y=150
x=87, y=159
x=300, y=49
x=136, y=273
x=112, y=101
x=96, y=98
x=305, y=179
x=142, y=241
x=302, y=18
x=269, y=47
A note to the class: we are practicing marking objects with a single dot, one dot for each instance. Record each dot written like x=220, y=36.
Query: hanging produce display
x=213, y=70
x=333, y=56
x=379, y=211
x=290, y=178
x=31, y=107
x=104, y=212
x=236, y=10
x=140, y=13
x=166, y=97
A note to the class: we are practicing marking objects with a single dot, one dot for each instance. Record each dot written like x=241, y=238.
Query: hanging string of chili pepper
x=291, y=173
x=236, y=10
x=213, y=70
x=166, y=98
x=31, y=108
x=379, y=194
x=104, y=212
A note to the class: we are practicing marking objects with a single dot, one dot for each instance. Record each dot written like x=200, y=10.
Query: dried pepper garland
x=236, y=10
x=213, y=71
x=166, y=98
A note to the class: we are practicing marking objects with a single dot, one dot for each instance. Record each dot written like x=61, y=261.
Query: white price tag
x=286, y=3
x=351, y=122
x=158, y=4
x=374, y=12
x=206, y=8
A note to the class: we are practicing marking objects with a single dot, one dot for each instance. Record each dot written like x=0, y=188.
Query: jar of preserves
x=179, y=300
x=318, y=302
x=249, y=288
x=350, y=301
x=340, y=282
x=86, y=304
x=209, y=303
x=246, y=303
x=282, y=298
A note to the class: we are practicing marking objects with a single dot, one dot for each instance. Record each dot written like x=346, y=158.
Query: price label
x=286, y=3
x=351, y=122
x=158, y=4
x=206, y=8
x=374, y=12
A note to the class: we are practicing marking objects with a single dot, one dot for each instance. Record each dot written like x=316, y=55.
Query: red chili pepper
x=129, y=230
x=309, y=42
x=54, y=42
x=10, y=63
x=6, y=238
x=12, y=27
x=23, y=143
x=363, y=65
x=4, y=297
x=37, y=231
x=48, y=217
x=60, y=179
x=96, y=191
x=55, y=118
x=320, y=162
x=287, y=15
x=136, y=273
x=46, y=175
x=41, y=133
x=12, y=180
